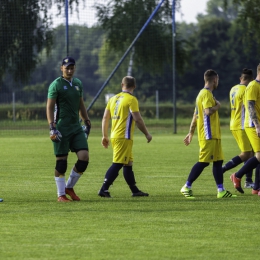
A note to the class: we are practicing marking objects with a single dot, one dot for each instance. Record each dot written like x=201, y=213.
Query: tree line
x=225, y=39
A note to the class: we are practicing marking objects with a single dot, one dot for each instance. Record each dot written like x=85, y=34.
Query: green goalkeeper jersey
x=67, y=95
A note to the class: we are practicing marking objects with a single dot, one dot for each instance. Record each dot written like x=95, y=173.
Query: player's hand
x=187, y=140
x=257, y=129
x=105, y=142
x=87, y=127
x=149, y=138
x=55, y=135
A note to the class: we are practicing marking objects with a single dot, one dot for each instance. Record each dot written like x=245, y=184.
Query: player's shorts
x=210, y=151
x=73, y=139
x=253, y=138
x=242, y=140
x=122, y=150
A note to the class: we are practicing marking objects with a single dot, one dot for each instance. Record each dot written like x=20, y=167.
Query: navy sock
x=130, y=178
x=232, y=164
x=248, y=166
x=257, y=178
x=196, y=171
x=217, y=172
x=111, y=175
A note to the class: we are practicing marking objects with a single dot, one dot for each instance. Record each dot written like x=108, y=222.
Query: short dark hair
x=247, y=74
x=210, y=74
x=129, y=82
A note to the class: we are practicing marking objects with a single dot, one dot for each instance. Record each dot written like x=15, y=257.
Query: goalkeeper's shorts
x=72, y=141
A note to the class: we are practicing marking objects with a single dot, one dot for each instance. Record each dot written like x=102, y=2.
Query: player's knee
x=61, y=166
x=81, y=166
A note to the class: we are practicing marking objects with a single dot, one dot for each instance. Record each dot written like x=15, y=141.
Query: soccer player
x=206, y=119
x=252, y=128
x=64, y=104
x=237, y=125
x=123, y=110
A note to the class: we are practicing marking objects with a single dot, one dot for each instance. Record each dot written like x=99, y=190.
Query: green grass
x=164, y=225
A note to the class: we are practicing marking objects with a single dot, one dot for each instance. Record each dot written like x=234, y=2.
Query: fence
x=81, y=37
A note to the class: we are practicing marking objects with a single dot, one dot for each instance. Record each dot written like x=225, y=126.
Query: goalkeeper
x=64, y=105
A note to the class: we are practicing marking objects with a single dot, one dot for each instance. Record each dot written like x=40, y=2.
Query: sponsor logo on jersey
x=77, y=88
x=65, y=87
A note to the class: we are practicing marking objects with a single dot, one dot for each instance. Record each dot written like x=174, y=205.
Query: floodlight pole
x=67, y=25
x=173, y=68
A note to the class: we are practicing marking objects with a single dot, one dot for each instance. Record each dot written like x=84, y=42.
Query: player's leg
x=61, y=150
x=80, y=147
x=130, y=180
x=60, y=170
x=217, y=170
x=256, y=187
x=128, y=170
x=197, y=169
x=113, y=171
x=251, y=163
x=245, y=148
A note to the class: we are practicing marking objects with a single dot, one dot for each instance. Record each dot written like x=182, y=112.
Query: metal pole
x=157, y=103
x=67, y=25
x=173, y=69
x=13, y=106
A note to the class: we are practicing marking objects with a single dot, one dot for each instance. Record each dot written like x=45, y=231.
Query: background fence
x=86, y=40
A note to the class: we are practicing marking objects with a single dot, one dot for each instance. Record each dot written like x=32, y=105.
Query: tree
x=249, y=19
x=25, y=29
x=122, y=20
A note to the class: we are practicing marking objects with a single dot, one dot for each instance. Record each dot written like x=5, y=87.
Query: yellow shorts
x=242, y=140
x=253, y=138
x=122, y=150
x=210, y=151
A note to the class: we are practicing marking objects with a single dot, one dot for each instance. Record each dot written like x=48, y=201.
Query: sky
x=189, y=11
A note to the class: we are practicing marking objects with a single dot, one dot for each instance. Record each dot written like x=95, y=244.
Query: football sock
x=130, y=178
x=111, y=175
x=217, y=172
x=220, y=187
x=196, y=171
x=60, y=183
x=249, y=175
x=257, y=178
x=188, y=184
x=232, y=164
x=73, y=178
x=250, y=165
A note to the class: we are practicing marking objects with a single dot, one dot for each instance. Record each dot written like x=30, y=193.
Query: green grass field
x=164, y=225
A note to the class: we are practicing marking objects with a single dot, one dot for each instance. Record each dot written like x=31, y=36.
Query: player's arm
x=141, y=125
x=105, y=125
x=55, y=135
x=50, y=107
x=84, y=116
x=253, y=116
x=211, y=110
x=187, y=140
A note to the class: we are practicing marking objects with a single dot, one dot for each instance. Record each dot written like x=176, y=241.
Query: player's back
x=237, y=115
x=208, y=127
x=252, y=94
x=121, y=106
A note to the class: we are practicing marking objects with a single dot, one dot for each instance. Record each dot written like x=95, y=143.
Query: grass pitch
x=164, y=225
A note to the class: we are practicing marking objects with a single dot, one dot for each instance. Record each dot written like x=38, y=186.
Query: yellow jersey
x=208, y=127
x=252, y=93
x=237, y=116
x=121, y=107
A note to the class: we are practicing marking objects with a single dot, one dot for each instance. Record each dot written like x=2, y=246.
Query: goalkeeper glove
x=86, y=128
x=55, y=135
